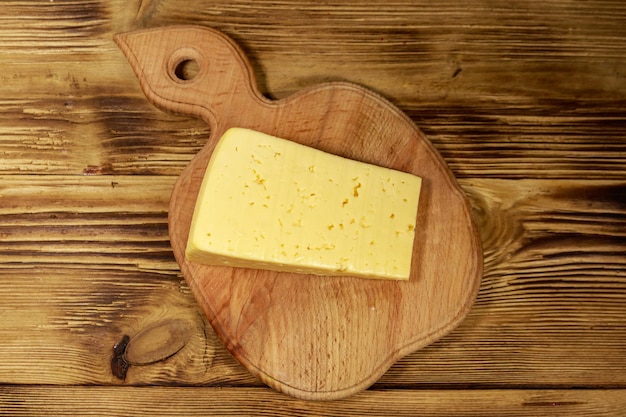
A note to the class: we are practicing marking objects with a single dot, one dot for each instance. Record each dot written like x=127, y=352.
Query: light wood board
x=310, y=336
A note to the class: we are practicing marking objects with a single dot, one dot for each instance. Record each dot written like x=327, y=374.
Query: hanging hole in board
x=187, y=70
x=185, y=65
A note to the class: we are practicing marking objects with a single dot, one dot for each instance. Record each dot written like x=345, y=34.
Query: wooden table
x=526, y=101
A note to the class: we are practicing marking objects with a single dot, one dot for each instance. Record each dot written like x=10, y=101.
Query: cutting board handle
x=222, y=83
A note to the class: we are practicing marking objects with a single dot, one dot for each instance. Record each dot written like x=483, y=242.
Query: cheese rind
x=271, y=203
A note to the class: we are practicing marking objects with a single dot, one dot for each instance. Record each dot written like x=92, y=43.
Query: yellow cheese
x=271, y=203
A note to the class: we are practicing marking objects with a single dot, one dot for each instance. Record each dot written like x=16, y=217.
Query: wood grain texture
x=475, y=78
x=525, y=101
x=189, y=402
x=102, y=266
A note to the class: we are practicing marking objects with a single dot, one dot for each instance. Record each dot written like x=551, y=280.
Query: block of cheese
x=270, y=203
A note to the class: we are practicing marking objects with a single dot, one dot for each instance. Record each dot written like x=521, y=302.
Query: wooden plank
x=503, y=89
x=86, y=260
x=189, y=402
x=98, y=134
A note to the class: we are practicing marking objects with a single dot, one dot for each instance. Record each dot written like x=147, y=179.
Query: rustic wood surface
x=526, y=101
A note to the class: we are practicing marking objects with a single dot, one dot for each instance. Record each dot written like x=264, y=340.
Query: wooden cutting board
x=309, y=336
